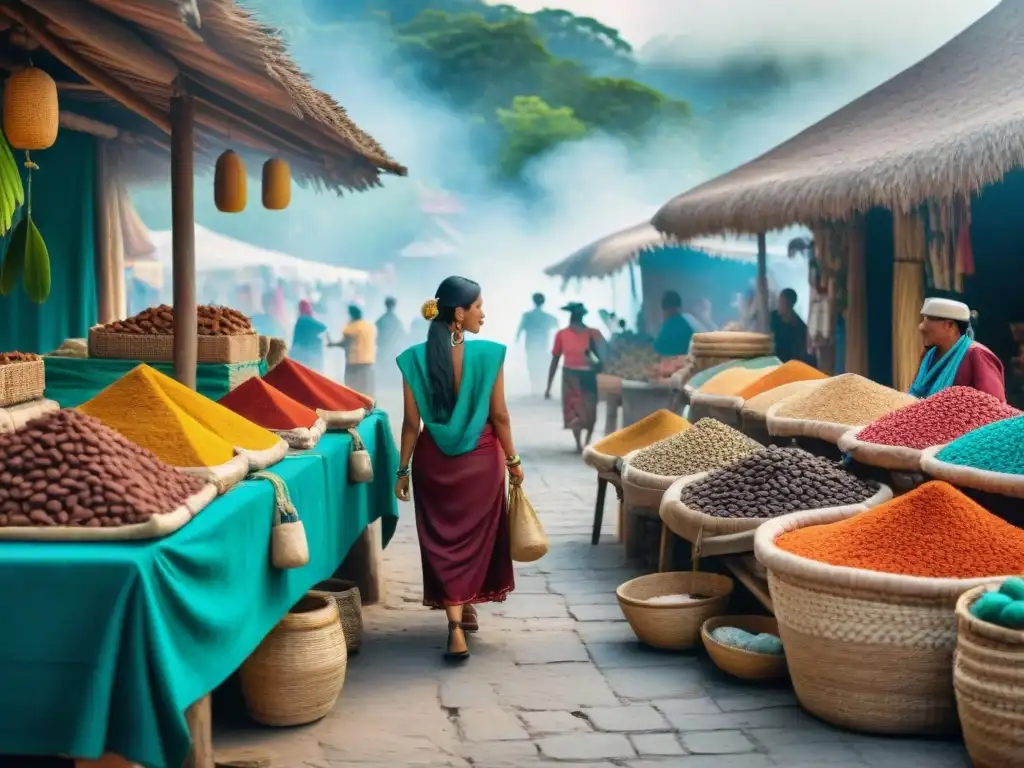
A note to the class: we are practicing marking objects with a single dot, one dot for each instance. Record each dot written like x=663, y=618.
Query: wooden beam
x=183, y=240
x=109, y=36
x=101, y=215
x=84, y=124
x=764, y=316
x=114, y=88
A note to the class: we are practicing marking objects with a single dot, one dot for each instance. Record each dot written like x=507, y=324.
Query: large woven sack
x=1000, y=483
x=988, y=678
x=867, y=651
x=528, y=540
x=892, y=457
x=696, y=526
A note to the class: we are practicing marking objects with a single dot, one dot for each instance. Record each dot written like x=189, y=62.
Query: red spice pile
x=940, y=419
x=934, y=531
x=314, y=390
x=267, y=407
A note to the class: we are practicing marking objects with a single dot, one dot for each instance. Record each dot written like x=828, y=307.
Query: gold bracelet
x=513, y=460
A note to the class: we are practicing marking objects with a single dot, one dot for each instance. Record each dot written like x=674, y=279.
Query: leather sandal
x=470, y=619
x=449, y=654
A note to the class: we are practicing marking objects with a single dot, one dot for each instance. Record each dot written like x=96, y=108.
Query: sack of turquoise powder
x=990, y=459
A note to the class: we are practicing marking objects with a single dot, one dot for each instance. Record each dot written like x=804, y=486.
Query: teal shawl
x=936, y=375
x=481, y=363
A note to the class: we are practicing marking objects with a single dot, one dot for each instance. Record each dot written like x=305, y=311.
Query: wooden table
x=740, y=566
x=603, y=480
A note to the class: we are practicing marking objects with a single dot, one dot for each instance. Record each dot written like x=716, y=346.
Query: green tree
x=531, y=128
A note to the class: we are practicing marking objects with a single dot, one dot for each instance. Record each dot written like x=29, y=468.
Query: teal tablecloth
x=103, y=646
x=73, y=380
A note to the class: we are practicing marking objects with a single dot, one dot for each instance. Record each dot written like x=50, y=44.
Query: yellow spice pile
x=648, y=430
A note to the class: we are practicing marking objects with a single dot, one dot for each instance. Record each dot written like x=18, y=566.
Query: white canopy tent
x=218, y=253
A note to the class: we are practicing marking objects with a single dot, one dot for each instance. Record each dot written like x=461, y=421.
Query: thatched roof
x=248, y=92
x=610, y=254
x=953, y=122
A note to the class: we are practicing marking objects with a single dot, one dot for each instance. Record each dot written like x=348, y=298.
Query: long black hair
x=452, y=293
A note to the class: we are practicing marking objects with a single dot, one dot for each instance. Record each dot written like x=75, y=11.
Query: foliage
x=531, y=128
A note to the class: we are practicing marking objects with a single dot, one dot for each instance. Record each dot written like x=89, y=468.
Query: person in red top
x=952, y=357
x=581, y=347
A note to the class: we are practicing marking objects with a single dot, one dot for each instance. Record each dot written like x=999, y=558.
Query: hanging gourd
x=277, y=185
x=229, y=183
x=31, y=111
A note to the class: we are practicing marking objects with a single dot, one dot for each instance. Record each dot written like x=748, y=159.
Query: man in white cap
x=952, y=357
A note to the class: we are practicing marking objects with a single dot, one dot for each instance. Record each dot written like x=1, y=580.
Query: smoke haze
x=594, y=187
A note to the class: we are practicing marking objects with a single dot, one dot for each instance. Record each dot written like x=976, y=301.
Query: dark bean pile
x=776, y=481
x=67, y=468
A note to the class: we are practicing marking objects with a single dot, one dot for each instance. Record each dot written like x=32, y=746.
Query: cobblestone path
x=557, y=676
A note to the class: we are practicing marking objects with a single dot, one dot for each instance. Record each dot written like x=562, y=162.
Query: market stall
x=137, y=81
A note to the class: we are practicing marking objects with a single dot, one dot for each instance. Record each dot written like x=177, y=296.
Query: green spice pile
x=706, y=446
x=997, y=447
x=776, y=481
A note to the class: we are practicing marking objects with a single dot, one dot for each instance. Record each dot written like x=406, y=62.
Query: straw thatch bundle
x=953, y=122
x=907, y=296
x=245, y=86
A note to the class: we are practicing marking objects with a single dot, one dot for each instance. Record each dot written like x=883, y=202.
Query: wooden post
x=183, y=242
x=764, y=316
x=364, y=565
x=101, y=215
x=200, y=724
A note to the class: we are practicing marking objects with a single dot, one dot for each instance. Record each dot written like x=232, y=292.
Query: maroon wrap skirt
x=462, y=522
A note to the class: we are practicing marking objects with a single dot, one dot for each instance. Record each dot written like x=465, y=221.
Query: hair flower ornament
x=429, y=309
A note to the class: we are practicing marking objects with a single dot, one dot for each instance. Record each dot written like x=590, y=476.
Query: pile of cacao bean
x=776, y=481
x=69, y=469
x=18, y=357
x=159, y=321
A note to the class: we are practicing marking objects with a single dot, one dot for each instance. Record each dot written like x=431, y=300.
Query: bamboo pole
x=764, y=317
x=856, y=299
x=183, y=243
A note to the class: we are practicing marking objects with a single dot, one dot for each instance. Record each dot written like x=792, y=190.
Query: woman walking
x=307, y=339
x=581, y=347
x=458, y=460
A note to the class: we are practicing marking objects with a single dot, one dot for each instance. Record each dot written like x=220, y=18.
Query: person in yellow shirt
x=359, y=339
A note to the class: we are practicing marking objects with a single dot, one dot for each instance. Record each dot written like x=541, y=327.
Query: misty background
x=530, y=131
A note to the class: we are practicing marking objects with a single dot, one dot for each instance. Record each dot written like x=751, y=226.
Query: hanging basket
x=296, y=674
x=31, y=110
x=360, y=463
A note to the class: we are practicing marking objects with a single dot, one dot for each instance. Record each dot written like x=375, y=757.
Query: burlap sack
x=967, y=477
x=602, y=462
x=694, y=526
x=156, y=527
x=893, y=457
x=829, y=431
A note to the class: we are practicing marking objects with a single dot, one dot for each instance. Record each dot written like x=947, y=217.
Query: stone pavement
x=556, y=676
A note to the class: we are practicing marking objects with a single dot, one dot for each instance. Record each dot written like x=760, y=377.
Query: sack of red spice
x=896, y=440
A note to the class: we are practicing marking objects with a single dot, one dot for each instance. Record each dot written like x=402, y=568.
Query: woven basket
x=737, y=662
x=673, y=627
x=988, y=677
x=240, y=348
x=867, y=651
x=602, y=462
x=21, y=382
x=14, y=417
x=350, y=605
x=296, y=674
